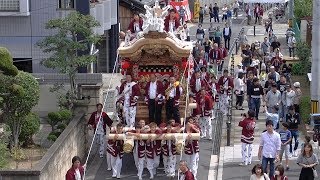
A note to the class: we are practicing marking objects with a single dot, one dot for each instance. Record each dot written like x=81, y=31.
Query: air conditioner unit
x=14, y=8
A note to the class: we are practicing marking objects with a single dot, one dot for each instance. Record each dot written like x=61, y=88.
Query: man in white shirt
x=154, y=99
x=270, y=146
x=287, y=98
x=291, y=44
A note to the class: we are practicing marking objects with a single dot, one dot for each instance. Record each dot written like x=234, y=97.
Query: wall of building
x=57, y=160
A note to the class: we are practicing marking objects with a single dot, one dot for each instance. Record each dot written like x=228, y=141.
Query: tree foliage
x=64, y=47
x=23, y=95
x=304, y=54
x=4, y=152
x=302, y=8
x=6, y=63
x=30, y=127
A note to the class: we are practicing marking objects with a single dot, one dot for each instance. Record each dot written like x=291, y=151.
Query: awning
x=266, y=1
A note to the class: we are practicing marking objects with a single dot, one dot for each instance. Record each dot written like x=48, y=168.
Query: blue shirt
x=274, y=118
x=285, y=135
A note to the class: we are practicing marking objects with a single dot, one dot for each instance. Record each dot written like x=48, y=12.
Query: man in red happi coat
x=196, y=83
x=131, y=92
x=99, y=121
x=115, y=148
x=205, y=106
x=154, y=99
x=191, y=149
x=171, y=22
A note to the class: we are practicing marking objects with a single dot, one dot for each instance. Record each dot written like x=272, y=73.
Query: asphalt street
x=97, y=167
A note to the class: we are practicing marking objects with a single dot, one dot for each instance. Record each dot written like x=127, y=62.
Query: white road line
x=213, y=167
x=220, y=166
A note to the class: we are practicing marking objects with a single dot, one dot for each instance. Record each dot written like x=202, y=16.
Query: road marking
x=213, y=167
x=220, y=166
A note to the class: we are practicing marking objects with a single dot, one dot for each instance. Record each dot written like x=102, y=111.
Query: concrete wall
x=57, y=160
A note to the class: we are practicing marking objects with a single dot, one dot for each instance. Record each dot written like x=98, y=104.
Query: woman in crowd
x=279, y=173
x=307, y=160
x=258, y=174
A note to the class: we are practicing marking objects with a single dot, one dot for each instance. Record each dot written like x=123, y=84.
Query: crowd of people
x=263, y=76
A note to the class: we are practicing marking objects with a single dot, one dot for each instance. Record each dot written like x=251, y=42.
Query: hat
x=240, y=71
x=271, y=67
x=240, y=64
x=263, y=66
x=296, y=84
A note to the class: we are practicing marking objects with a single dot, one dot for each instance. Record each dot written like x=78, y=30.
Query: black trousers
x=306, y=174
x=154, y=111
x=297, y=108
x=227, y=42
x=239, y=101
x=220, y=67
x=200, y=19
x=172, y=111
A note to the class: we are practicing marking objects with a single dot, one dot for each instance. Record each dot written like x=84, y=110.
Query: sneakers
x=242, y=164
x=295, y=153
x=287, y=168
x=109, y=169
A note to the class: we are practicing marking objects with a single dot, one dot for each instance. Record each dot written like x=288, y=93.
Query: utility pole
x=291, y=7
x=315, y=68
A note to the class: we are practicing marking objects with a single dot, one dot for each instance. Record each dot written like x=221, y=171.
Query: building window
x=66, y=4
x=10, y=5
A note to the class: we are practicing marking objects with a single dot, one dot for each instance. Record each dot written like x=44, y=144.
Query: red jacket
x=153, y=148
x=215, y=55
x=188, y=175
x=71, y=173
x=106, y=120
x=165, y=147
x=167, y=20
x=204, y=105
x=135, y=93
x=115, y=147
x=159, y=92
x=224, y=52
x=131, y=25
x=221, y=83
x=177, y=95
x=191, y=147
x=193, y=83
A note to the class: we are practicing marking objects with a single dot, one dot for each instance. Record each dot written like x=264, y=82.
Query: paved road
x=97, y=167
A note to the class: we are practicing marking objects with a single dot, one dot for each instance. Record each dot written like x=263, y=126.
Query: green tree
x=302, y=8
x=4, y=152
x=30, y=127
x=53, y=119
x=24, y=95
x=64, y=47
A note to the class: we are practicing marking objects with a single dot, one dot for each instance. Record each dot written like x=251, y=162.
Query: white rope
x=105, y=100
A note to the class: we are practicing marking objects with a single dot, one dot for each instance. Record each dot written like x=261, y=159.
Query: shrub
x=54, y=119
x=305, y=109
x=52, y=137
x=61, y=127
x=66, y=115
x=4, y=151
x=304, y=54
x=6, y=63
x=30, y=126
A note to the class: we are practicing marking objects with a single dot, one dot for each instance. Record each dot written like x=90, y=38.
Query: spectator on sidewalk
x=200, y=34
x=201, y=14
x=297, y=97
x=210, y=12
x=227, y=35
x=207, y=47
x=239, y=90
x=287, y=99
x=265, y=46
x=235, y=9
x=273, y=116
x=291, y=44
x=258, y=173
x=275, y=44
x=256, y=93
x=249, y=83
x=307, y=160
x=273, y=97
x=270, y=146
x=246, y=57
x=218, y=36
x=224, y=13
x=215, y=11
x=279, y=173
x=248, y=13
x=211, y=31
x=293, y=119
x=285, y=136
x=248, y=125
x=243, y=40
x=182, y=13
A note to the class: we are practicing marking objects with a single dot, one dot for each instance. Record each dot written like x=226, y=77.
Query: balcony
x=105, y=12
x=14, y=8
